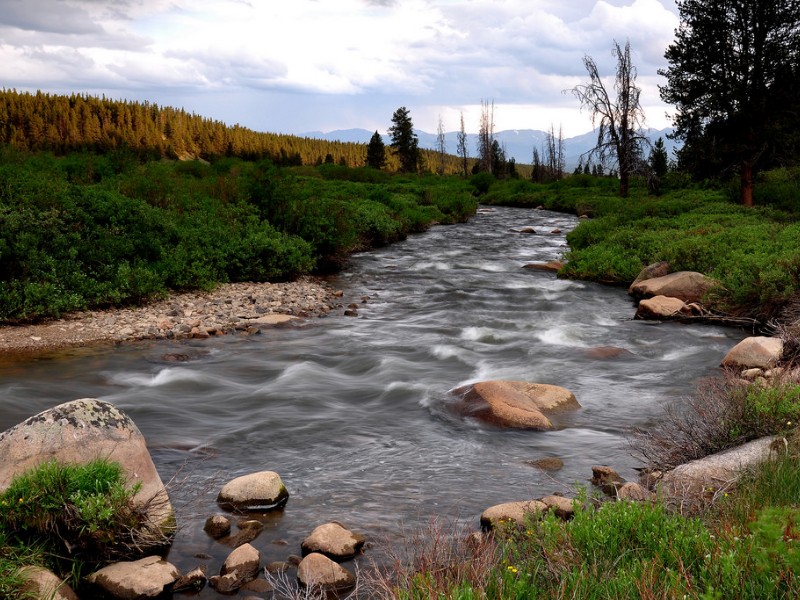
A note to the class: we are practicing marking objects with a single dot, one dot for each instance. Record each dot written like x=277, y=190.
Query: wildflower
x=512, y=568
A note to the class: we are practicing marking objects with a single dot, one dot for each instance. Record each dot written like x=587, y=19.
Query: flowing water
x=354, y=413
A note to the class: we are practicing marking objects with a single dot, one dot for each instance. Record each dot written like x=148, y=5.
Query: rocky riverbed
x=235, y=308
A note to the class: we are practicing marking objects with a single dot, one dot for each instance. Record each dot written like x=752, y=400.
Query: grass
x=68, y=518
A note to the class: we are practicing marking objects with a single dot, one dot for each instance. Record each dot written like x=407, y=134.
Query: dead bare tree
x=462, y=147
x=619, y=121
x=486, y=136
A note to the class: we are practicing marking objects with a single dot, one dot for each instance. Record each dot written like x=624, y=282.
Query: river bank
x=234, y=308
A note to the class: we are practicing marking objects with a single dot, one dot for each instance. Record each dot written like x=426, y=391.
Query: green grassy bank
x=90, y=230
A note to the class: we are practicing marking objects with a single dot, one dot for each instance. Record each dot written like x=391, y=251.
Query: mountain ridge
x=518, y=143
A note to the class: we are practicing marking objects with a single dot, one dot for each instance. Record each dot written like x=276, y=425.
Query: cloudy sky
x=295, y=66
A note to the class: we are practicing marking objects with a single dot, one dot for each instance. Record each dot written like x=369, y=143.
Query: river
x=353, y=412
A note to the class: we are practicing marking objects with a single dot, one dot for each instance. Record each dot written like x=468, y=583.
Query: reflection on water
x=352, y=412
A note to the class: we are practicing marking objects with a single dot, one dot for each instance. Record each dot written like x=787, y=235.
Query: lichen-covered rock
x=516, y=404
x=754, y=352
x=79, y=432
x=257, y=491
x=320, y=572
x=135, y=580
x=511, y=512
x=334, y=541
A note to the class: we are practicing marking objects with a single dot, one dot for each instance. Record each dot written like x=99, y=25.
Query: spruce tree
x=376, y=152
x=404, y=141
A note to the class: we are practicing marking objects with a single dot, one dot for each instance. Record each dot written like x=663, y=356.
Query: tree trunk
x=747, y=183
x=623, y=184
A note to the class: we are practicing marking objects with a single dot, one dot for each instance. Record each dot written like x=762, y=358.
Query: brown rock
x=689, y=286
x=548, y=463
x=256, y=491
x=217, y=526
x=754, y=352
x=319, y=571
x=661, y=307
x=632, y=491
x=658, y=269
x=194, y=581
x=334, y=541
x=511, y=512
x=607, y=479
x=552, y=266
x=135, y=580
x=42, y=584
x=562, y=507
x=607, y=352
x=241, y=566
x=516, y=404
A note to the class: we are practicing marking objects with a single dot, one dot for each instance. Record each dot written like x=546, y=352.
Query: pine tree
x=404, y=140
x=376, y=152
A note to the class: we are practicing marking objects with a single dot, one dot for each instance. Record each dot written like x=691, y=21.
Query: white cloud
x=362, y=56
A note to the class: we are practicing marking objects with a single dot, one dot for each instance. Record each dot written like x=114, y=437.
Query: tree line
x=63, y=124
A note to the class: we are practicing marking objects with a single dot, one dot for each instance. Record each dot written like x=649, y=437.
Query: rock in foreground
x=320, y=572
x=754, y=352
x=79, y=432
x=135, y=580
x=516, y=404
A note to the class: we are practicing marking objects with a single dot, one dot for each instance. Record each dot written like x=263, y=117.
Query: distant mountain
x=518, y=143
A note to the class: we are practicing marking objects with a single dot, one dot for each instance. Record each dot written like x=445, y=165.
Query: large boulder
x=79, y=432
x=516, y=404
x=718, y=472
x=689, y=286
x=334, y=541
x=135, y=580
x=755, y=352
x=319, y=572
x=658, y=269
x=263, y=490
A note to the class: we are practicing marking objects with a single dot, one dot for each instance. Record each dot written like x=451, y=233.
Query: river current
x=354, y=412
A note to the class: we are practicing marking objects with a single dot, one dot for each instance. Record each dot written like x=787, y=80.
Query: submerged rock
x=516, y=404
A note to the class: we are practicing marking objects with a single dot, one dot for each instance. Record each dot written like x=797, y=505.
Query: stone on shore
x=317, y=571
x=257, y=491
x=79, y=432
x=688, y=286
x=515, y=404
x=718, y=472
x=658, y=269
x=334, y=541
x=661, y=307
x=757, y=352
x=135, y=580
x=43, y=584
x=511, y=512
x=564, y=508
